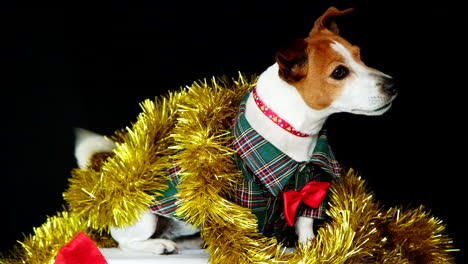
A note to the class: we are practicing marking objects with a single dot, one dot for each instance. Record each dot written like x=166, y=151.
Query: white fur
x=88, y=143
x=304, y=229
x=362, y=92
x=180, y=228
x=136, y=237
x=285, y=101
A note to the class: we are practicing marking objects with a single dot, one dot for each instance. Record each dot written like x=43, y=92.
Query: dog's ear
x=292, y=61
x=326, y=22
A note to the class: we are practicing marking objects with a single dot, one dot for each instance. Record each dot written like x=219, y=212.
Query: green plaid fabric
x=167, y=203
x=267, y=173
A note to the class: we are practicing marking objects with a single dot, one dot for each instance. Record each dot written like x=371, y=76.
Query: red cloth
x=80, y=250
x=312, y=194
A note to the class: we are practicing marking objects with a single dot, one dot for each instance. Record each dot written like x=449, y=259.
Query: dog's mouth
x=378, y=111
x=384, y=107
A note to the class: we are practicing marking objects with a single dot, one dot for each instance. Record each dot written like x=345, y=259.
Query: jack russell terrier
x=277, y=133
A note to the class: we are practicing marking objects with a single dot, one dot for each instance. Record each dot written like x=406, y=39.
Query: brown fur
x=97, y=159
x=308, y=63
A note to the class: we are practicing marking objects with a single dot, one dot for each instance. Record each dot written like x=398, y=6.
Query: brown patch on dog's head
x=308, y=63
x=293, y=61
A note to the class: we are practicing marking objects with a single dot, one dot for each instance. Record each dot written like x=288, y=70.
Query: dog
x=311, y=79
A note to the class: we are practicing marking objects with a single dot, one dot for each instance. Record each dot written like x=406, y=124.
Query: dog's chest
x=268, y=172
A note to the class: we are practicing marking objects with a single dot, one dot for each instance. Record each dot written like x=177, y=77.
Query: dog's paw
x=305, y=236
x=156, y=246
x=305, y=229
x=164, y=246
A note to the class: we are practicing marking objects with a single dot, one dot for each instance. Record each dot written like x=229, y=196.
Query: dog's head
x=328, y=72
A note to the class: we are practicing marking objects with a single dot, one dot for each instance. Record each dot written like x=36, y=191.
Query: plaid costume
x=167, y=203
x=267, y=173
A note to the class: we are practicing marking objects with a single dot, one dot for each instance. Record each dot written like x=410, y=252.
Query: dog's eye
x=340, y=72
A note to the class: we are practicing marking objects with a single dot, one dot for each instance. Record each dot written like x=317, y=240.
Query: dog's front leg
x=136, y=237
x=305, y=229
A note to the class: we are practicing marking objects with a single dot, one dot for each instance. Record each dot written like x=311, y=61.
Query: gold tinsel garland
x=190, y=128
x=42, y=246
x=201, y=136
x=125, y=184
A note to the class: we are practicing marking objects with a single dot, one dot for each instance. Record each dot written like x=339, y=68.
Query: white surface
x=117, y=256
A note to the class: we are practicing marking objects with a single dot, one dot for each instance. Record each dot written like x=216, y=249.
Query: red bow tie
x=311, y=194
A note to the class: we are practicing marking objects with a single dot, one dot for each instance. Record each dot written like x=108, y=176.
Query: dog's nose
x=389, y=86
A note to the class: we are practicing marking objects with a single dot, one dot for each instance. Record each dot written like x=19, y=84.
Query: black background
x=89, y=65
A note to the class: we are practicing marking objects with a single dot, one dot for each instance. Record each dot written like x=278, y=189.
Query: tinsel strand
x=350, y=228
x=46, y=240
x=416, y=236
x=126, y=183
x=229, y=231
